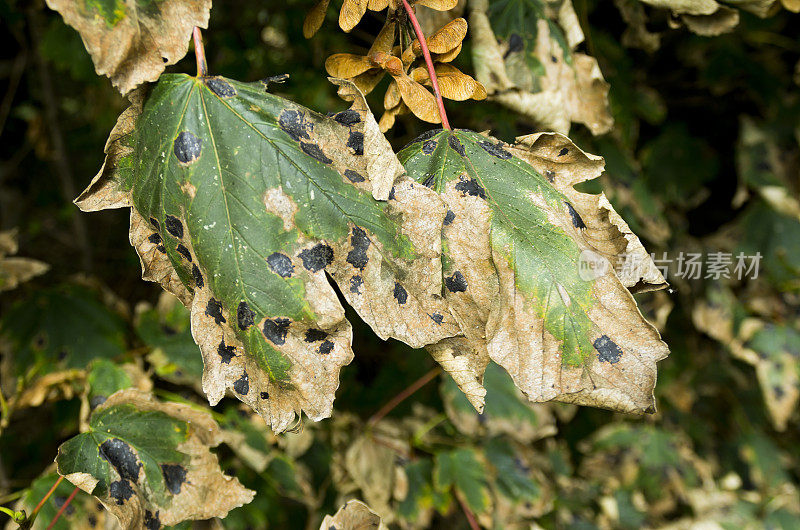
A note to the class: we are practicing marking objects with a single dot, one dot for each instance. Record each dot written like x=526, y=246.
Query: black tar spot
x=220, y=87
x=162, y=249
x=391, y=194
x=778, y=391
x=120, y=455
x=326, y=347
x=354, y=176
x=429, y=181
x=471, y=187
x=59, y=501
x=226, y=353
x=96, y=401
x=154, y=223
x=275, y=330
x=456, y=283
x=174, y=477
x=550, y=174
x=515, y=44
x=400, y=293
x=214, y=310
x=245, y=316
x=449, y=217
x=356, y=142
x=154, y=239
x=314, y=151
x=608, y=351
x=120, y=491
x=198, y=278
x=577, y=222
x=436, y=317
x=317, y=257
x=183, y=251
x=151, y=520
x=187, y=147
x=293, y=123
x=429, y=146
x=427, y=135
x=348, y=117
x=174, y=226
x=355, y=284
x=92, y=520
x=264, y=395
x=357, y=257
x=495, y=150
x=456, y=145
x=563, y=151
x=315, y=335
x=242, y=385
x=280, y=78
x=281, y=264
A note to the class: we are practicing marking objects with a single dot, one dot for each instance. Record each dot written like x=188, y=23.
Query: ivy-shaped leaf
x=354, y=514
x=149, y=463
x=131, y=41
x=462, y=470
x=527, y=264
x=242, y=202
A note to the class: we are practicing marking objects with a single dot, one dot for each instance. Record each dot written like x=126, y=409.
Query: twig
x=423, y=44
x=473, y=523
x=399, y=398
x=199, y=53
x=47, y=496
x=60, y=159
x=13, y=83
x=63, y=507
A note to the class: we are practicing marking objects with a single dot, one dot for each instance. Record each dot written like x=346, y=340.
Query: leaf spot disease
x=400, y=294
x=317, y=257
x=281, y=264
x=357, y=257
x=294, y=124
x=471, y=187
x=264, y=395
x=456, y=145
x=276, y=329
x=563, y=151
x=314, y=151
x=608, y=351
x=154, y=239
x=174, y=226
x=429, y=146
x=154, y=223
x=437, y=317
x=577, y=222
x=326, y=347
x=226, y=353
x=214, y=310
x=550, y=174
x=242, y=385
x=120, y=455
x=495, y=150
x=449, y=217
x=187, y=147
x=456, y=283
x=315, y=335
x=151, y=520
x=220, y=87
x=198, y=278
x=120, y=491
x=183, y=251
x=353, y=176
x=429, y=181
x=348, y=117
x=427, y=135
x=355, y=284
x=245, y=316
x=174, y=477
x=356, y=142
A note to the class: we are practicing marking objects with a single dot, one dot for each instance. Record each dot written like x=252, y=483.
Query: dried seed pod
x=347, y=65
x=351, y=13
x=315, y=18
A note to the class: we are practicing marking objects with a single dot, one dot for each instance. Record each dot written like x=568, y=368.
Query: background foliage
x=703, y=157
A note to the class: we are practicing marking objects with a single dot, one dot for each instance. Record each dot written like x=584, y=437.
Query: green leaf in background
x=422, y=497
x=461, y=470
x=83, y=512
x=527, y=260
x=149, y=463
x=242, y=202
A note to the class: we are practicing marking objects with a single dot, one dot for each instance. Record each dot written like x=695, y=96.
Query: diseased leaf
x=527, y=271
x=353, y=515
x=242, y=202
x=14, y=270
x=462, y=470
x=149, y=463
x=131, y=41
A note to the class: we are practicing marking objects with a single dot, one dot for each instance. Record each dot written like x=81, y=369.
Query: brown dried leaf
x=355, y=515
x=315, y=18
x=13, y=270
x=129, y=44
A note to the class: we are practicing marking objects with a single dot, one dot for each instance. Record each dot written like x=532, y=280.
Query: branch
x=63, y=507
x=423, y=44
x=399, y=398
x=199, y=53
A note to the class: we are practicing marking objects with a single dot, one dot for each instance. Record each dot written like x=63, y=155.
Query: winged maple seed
x=131, y=44
x=242, y=202
x=406, y=92
x=353, y=10
x=516, y=243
